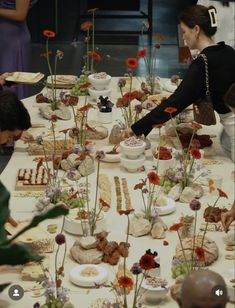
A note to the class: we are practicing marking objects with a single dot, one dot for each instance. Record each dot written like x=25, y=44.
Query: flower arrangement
x=58, y=56
x=150, y=61
x=148, y=188
x=198, y=257
x=188, y=156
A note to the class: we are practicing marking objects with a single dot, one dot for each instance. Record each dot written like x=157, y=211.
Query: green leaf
x=52, y=213
x=4, y=210
x=16, y=254
x=3, y=286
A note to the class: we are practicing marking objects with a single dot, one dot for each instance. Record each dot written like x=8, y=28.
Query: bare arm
x=19, y=13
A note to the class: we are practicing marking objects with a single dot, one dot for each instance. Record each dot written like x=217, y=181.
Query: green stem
x=135, y=294
x=181, y=244
x=194, y=235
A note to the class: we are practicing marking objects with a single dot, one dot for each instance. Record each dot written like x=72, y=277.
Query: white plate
x=110, y=158
x=169, y=86
x=168, y=208
x=88, y=281
x=63, y=81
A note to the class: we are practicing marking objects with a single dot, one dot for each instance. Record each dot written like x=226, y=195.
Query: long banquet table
x=24, y=208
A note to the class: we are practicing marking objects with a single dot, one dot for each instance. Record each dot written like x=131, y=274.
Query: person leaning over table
x=25, y=136
x=14, y=117
x=198, y=26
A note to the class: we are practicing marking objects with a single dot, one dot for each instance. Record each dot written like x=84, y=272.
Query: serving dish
x=110, y=158
x=25, y=77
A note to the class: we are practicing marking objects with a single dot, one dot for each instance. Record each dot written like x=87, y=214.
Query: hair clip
x=213, y=17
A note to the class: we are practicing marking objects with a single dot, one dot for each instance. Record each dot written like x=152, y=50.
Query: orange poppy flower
x=49, y=33
x=84, y=85
x=125, y=282
x=93, y=10
x=222, y=193
x=176, y=227
x=132, y=63
x=170, y=110
x=95, y=55
x=85, y=107
x=142, y=53
x=125, y=212
x=153, y=178
x=86, y=25
x=158, y=36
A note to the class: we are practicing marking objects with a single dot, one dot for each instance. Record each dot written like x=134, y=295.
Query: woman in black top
x=198, y=27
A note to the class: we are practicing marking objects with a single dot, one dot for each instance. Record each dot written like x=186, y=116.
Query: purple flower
x=100, y=154
x=196, y=143
x=195, y=205
x=138, y=108
x=136, y=269
x=63, y=294
x=89, y=147
x=77, y=149
x=60, y=239
x=121, y=83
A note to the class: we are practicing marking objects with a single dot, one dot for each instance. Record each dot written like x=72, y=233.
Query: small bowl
x=164, y=164
x=132, y=152
x=154, y=295
x=95, y=94
x=132, y=165
x=99, y=83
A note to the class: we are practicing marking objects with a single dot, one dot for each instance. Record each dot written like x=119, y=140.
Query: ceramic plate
x=169, y=86
x=110, y=158
x=168, y=208
x=88, y=275
x=25, y=77
x=63, y=81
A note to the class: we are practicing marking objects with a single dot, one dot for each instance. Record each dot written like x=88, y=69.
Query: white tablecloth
x=23, y=208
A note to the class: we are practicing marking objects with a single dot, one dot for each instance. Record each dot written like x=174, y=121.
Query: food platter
x=110, y=158
x=25, y=77
x=62, y=81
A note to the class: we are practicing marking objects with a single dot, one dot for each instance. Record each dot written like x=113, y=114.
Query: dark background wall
x=43, y=15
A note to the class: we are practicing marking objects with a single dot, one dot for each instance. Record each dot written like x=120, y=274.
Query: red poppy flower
x=84, y=85
x=142, y=53
x=200, y=252
x=170, y=110
x=176, y=227
x=153, y=178
x=103, y=203
x=93, y=10
x=158, y=36
x=222, y=193
x=125, y=282
x=85, y=107
x=49, y=33
x=60, y=239
x=95, y=55
x=147, y=262
x=195, y=153
x=125, y=212
x=86, y=25
x=132, y=63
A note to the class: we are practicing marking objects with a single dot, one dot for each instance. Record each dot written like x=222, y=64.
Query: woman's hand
x=228, y=217
x=3, y=77
x=26, y=137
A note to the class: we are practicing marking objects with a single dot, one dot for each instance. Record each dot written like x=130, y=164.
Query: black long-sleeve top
x=221, y=67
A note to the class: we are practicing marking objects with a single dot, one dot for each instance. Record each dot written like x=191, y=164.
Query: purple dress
x=15, y=47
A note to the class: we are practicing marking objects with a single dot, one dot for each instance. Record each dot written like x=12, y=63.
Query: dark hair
x=13, y=114
x=229, y=97
x=198, y=15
